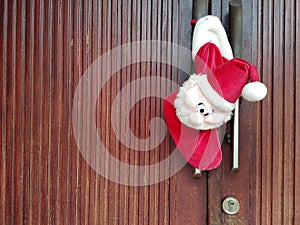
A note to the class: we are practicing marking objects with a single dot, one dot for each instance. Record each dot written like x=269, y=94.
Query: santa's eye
x=201, y=107
x=204, y=110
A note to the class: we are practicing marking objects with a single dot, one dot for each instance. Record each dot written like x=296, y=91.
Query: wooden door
x=267, y=184
x=46, y=48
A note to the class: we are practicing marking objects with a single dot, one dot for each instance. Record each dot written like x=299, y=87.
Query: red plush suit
x=206, y=100
x=201, y=148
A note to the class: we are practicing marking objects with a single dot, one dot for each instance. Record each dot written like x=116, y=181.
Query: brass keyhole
x=230, y=205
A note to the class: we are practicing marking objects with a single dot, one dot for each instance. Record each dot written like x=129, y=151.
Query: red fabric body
x=200, y=148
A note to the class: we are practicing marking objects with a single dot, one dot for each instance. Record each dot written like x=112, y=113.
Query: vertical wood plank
x=297, y=115
x=48, y=121
x=266, y=49
x=257, y=54
x=3, y=60
x=277, y=57
x=277, y=102
x=289, y=149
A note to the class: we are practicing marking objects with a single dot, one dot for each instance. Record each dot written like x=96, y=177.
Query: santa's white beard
x=187, y=112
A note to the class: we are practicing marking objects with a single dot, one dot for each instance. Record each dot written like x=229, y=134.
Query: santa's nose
x=208, y=112
x=196, y=118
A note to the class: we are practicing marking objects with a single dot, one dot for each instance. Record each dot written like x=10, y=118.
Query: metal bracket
x=236, y=40
x=200, y=9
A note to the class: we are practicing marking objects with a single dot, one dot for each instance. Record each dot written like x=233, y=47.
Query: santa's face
x=194, y=110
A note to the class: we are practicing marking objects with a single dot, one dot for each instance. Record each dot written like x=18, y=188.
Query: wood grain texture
x=277, y=149
x=297, y=114
x=269, y=133
x=45, y=48
x=222, y=182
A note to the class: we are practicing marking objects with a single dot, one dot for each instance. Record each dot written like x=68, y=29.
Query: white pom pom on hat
x=254, y=91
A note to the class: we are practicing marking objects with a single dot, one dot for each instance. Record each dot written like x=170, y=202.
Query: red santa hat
x=222, y=81
x=226, y=83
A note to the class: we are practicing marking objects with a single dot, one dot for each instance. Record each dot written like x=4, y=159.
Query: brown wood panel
x=297, y=114
x=277, y=150
x=222, y=182
x=267, y=184
x=45, y=47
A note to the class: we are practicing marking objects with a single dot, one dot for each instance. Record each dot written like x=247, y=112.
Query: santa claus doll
x=207, y=99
